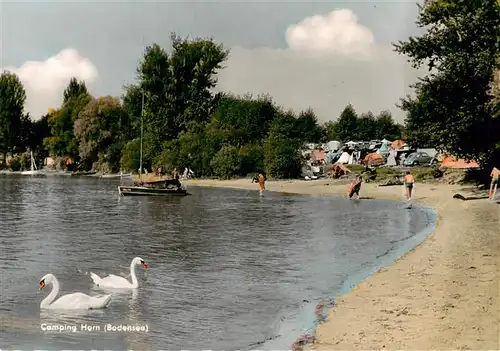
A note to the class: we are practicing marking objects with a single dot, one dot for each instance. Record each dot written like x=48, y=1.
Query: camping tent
x=391, y=160
x=398, y=144
x=332, y=145
x=373, y=159
x=344, y=158
x=384, y=148
x=332, y=156
x=318, y=155
x=453, y=162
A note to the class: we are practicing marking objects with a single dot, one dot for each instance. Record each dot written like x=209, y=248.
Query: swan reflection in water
x=132, y=315
x=136, y=340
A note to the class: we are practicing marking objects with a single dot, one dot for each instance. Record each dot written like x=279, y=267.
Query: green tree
x=131, y=153
x=62, y=141
x=244, y=119
x=366, y=127
x=346, y=125
x=330, y=130
x=453, y=108
x=177, y=88
x=40, y=130
x=282, y=157
x=226, y=162
x=386, y=128
x=194, y=148
x=251, y=158
x=307, y=127
x=26, y=131
x=195, y=64
x=132, y=103
x=12, y=99
x=74, y=90
x=100, y=130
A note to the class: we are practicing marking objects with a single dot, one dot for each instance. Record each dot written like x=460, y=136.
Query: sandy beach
x=442, y=295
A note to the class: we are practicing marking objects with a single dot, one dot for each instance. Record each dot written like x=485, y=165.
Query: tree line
x=185, y=124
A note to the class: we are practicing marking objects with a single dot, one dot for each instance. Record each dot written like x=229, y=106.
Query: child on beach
x=495, y=174
x=408, y=182
x=355, y=187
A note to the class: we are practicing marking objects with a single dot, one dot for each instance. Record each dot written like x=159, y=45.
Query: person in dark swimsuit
x=409, y=181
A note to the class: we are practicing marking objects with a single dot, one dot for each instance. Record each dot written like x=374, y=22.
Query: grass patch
x=384, y=174
x=426, y=173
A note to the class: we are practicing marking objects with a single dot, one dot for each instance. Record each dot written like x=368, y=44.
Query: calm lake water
x=228, y=268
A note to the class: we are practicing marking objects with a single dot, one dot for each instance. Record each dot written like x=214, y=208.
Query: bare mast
x=142, y=114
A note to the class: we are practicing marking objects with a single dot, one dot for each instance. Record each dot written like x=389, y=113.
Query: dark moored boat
x=156, y=188
x=170, y=187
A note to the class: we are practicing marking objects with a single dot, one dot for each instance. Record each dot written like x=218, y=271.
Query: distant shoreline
x=443, y=294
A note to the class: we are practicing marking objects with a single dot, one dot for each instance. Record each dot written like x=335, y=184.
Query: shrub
x=282, y=158
x=426, y=173
x=227, y=162
x=251, y=158
x=15, y=164
x=130, y=159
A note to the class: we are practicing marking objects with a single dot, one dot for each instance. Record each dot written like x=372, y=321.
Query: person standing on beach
x=261, y=178
x=408, y=182
x=355, y=187
x=495, y=174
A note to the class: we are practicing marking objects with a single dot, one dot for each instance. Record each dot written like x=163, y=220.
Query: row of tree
x=184, y=124
x=366, y=127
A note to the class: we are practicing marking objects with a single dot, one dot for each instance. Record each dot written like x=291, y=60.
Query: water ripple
x=227, y=268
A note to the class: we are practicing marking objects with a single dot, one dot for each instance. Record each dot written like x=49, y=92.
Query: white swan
x=114, y=281
x=75, y=301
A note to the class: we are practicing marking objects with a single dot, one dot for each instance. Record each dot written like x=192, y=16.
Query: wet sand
x=444, y=294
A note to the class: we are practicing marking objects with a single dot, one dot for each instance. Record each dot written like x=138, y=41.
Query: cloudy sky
x=315, y=53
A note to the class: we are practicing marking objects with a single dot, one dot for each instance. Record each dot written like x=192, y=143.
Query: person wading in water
x=495, y=174
x=355, y=187
x=409, y=181
x=261, y=178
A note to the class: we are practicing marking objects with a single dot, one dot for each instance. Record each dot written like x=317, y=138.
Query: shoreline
x=441, y=294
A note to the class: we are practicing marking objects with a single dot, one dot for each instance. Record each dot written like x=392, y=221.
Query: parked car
x=418, y=159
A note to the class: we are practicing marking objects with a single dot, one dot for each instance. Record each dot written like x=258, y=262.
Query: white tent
x=385, y=141
x=344, y=158
x=332, y=145
x=391, y=160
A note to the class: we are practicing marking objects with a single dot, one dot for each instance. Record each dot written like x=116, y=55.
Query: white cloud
x=45, y=81
x=336, y=33
x=330, y=61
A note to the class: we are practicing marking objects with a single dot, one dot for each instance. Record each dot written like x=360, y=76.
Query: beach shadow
x=472, y=197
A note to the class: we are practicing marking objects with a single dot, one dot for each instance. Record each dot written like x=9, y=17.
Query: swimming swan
x=75, y=301
x=114, y=281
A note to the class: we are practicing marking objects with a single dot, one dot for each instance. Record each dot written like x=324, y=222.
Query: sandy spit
x=442, y=295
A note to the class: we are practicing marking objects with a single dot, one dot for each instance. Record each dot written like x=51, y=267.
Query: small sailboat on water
x=33, y=170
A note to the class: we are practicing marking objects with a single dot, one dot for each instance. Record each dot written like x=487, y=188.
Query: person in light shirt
x=495, y=174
